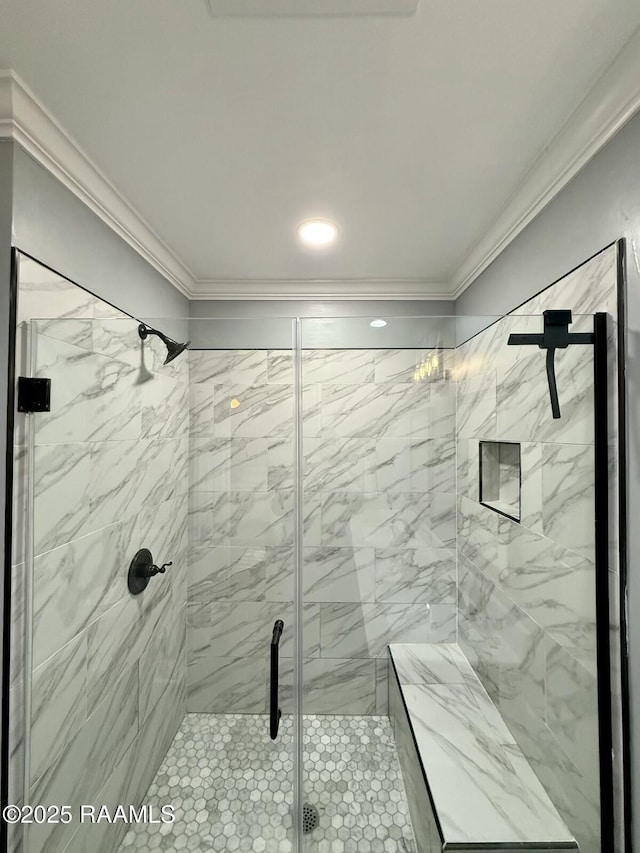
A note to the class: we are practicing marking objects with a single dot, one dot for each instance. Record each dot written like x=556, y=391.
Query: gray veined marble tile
x=43, y=294
x=242, y=518
x=93, y=397
x=382, y=686
x=62, y=494
x=425, y=663
x=411, y=575
x=337, y=367
x=201, y=398
x=252, y=410
x=523, y=407
x=476, y=405
x=338, y=465
x=467, y=764
x=338, y=574
x=378, y=411
x=221, y=685
x=280, y=462
x=443, y=623
x=280, y=367
x=165, y=407
x=388, y=520
x=553, y=585
x=400, y=365
x=227, y=572
x=163, y=659
x=117, y=639
x=531, y=486
x=89, y=758
x=339, y=686
x=364, y=630
x=228, y=464
x=568, y=497
x=244, y=628
x=118, y=338
x=75, y=583
x=59, y=703
x=572, y=708
x=232, y=367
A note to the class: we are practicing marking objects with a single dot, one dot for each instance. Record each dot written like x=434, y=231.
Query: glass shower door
x=160, y=556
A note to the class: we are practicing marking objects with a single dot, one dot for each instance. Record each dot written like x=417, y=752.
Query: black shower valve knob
x=142, y=569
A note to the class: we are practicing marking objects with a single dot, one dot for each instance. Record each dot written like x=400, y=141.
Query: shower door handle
x=275, y=712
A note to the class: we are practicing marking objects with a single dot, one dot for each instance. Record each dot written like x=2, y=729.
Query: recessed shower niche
x=500, y=477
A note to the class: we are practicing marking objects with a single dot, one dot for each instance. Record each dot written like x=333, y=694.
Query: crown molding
x=606, y=108
x=312, y=290
x=26, y=120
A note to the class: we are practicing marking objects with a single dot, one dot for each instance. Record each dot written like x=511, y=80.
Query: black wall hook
x=555, y=335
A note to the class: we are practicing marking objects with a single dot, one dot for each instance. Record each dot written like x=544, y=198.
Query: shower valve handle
x=154, y=570
x=142, y=569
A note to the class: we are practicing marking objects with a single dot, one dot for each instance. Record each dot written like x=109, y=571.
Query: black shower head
x=173, y=347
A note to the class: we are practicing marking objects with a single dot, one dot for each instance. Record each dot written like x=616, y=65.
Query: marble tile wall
x=379, y=522
x=527, y=590
x=111, y=468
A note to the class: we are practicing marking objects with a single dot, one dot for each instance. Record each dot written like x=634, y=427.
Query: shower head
x=173, y=347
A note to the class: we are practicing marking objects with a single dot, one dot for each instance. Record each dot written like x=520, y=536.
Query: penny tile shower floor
x=231, y=787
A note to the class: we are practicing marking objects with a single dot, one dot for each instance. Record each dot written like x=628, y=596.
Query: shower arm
x=556, y=335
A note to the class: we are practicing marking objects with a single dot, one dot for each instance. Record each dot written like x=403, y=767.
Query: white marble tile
x=77, y=582
x=63, y=491
x=88, y=760
x=338, y=464
x=201, y=396
x=388, y=520
x=338, y=574
x=163, y=659
x=280, y=462
x=381, y=411
x=364, y=630
x=117, y=639
x=572, y=708
x=228, y=464
x=443, y=623
x=333, y=686
x=226, y=572
x=568, y=497
x=244, y=629
x=233, y=367
x=425, y=663
x=221, y=685
x=255, y=410
x=280, y=367
x=337, y=367
x=412, y=575
x=479, y=796
x=403, y=365
x=59, y=703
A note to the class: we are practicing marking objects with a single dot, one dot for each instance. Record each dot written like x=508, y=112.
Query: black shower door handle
x=275, y=712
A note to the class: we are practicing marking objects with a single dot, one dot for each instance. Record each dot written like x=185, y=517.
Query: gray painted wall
x=55, y=227
x=240, y=324
x=600, y=205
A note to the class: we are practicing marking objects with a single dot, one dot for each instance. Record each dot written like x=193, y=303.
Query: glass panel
x=159, y=698
x=399, y=554
x=372, y=539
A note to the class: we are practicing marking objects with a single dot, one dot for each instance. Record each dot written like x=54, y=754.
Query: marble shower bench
x=468, y=785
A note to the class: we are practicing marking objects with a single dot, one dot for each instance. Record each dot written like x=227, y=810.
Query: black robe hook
x=556, y=335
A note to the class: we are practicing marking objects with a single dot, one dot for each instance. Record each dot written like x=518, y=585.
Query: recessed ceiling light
x=377, y=324
x=317, y=232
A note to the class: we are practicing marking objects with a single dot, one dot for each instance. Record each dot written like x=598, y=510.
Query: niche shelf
x=500, y=480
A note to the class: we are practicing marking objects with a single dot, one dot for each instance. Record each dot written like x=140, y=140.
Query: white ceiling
x=411, y=133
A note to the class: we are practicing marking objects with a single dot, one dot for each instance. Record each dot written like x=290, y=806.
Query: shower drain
x=310, y=818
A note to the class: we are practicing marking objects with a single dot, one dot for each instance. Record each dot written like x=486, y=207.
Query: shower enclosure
x=310, y=491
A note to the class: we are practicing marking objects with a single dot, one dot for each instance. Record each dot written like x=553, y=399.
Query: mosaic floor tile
x=231, y=787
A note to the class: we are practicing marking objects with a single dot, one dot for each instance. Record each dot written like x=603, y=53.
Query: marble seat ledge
x=483, y=792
